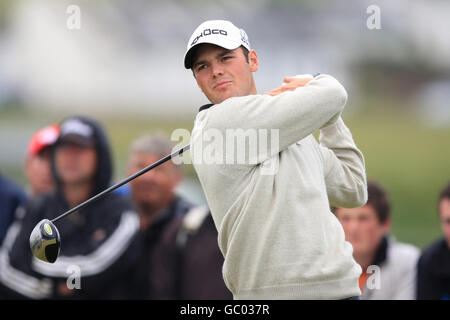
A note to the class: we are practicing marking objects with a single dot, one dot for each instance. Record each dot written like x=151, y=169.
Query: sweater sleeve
x=293, y=115
x=344, y=167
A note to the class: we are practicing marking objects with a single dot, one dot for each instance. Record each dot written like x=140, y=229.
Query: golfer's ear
x=253, y=60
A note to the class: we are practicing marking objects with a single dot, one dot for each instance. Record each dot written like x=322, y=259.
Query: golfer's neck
x=253, y=89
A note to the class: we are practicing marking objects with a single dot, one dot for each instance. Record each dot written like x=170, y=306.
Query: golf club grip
x=121, y=183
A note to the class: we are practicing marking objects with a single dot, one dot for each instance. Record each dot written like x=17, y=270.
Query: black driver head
x=45, y=242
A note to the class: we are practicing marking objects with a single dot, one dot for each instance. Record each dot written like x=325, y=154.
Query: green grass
x=412, y=162
x=409, y=159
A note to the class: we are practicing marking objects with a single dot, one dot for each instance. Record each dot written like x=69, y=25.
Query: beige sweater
x=276, y=231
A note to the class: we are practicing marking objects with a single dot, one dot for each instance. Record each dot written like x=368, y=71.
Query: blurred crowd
x=142, y=241
x=145, y=241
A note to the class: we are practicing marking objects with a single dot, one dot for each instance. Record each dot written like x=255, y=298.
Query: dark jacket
x=189, y=261
x=149, y=240
x=11, y=196
x=433, y=274
x=99, y=241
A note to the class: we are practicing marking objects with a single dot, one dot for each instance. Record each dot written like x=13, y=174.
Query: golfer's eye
x=201, y=67
x=225, y=58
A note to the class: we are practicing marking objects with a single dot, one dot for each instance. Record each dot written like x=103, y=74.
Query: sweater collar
x=206, y=106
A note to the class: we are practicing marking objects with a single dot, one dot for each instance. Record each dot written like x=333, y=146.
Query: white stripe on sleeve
x=15, y=279
x=100, y=259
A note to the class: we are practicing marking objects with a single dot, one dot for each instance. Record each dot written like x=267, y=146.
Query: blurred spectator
x=37, y=171
x=188, y=261
x=367, y=228
x=434, y=263
x=37, y=161
x=157, y=204
x=98, y=241
x=11, y=197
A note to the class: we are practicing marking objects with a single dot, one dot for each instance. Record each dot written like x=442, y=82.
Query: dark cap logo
x=208, y=32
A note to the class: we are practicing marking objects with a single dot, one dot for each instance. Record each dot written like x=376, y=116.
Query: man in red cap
x=37, y=162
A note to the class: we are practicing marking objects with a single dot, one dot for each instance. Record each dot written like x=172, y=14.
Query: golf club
x=45, y=242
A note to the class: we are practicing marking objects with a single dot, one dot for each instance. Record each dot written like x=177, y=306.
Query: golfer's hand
x=289, y=84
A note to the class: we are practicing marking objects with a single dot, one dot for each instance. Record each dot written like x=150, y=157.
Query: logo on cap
x=76, y=127
x=208, y=32
x=244, y=37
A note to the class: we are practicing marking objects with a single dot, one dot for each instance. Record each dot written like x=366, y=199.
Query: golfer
x=276, y=231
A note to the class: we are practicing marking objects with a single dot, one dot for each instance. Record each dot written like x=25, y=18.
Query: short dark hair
x=245, y=51
x=445, y=194
x=379, y=200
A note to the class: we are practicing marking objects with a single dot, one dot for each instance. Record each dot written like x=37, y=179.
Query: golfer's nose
x=217, y=69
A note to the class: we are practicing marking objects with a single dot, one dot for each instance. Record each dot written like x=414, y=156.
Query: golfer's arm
x=344, y=167
x=295, y=114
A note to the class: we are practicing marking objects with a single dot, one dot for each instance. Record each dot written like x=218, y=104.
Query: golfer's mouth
x=221, y=85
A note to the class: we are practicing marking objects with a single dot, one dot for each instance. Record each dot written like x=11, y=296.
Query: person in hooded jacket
x=97, y=242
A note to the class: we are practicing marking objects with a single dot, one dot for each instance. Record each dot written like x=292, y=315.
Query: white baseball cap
x=219, y=32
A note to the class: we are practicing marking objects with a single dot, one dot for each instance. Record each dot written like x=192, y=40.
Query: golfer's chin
x=221, y=95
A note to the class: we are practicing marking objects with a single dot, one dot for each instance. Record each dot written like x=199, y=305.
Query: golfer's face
x=222, y=73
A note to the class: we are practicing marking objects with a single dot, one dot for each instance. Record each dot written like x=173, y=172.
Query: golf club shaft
x=119, y=184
